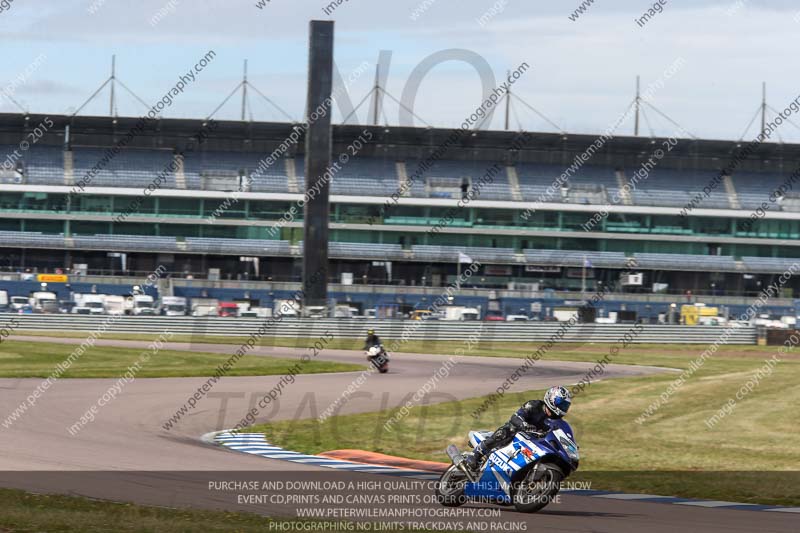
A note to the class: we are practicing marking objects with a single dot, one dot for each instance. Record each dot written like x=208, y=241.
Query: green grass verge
x=494, y=348
x=19, y=359
x=672, y=453
x=21, y=512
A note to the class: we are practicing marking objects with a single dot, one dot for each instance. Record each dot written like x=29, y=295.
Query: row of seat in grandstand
x=771, y=264
x=427, y=253
x=376, y=252
x=219, y=170
x=219, y=246
x=576, y=258
x=684, y=261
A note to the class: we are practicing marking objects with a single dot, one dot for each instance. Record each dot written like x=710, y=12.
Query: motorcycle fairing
x=503, y=464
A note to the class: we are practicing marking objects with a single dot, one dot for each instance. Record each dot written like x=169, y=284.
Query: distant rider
x=372, y=340
x=532, y=416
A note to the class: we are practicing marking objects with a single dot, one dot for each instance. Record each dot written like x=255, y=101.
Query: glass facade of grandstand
x=587, y=222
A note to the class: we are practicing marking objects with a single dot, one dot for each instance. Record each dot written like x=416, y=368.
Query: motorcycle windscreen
x=562, y=425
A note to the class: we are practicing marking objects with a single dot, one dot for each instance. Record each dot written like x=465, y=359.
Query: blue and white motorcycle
x=527, y=473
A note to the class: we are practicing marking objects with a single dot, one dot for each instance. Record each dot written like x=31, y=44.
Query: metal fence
x=386, y=329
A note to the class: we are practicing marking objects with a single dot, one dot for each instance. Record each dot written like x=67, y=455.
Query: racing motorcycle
x=379, y=358
x=526, y=474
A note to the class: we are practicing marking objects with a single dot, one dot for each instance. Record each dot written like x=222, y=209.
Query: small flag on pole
x=464, y=258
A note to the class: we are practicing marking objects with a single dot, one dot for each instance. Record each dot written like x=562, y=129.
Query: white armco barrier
x=387, y=329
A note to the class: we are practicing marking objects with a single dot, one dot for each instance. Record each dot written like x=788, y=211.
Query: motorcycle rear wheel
x=538, y=488
x=450, y=487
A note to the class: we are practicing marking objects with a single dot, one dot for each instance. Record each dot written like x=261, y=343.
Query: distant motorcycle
x=379, y=358
x=527, y=473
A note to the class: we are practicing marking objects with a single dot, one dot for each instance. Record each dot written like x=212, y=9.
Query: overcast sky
x=582, y=73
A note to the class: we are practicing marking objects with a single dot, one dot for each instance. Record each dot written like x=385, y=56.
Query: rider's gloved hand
x=518, y=422
x=534, y=430
x=521, y=425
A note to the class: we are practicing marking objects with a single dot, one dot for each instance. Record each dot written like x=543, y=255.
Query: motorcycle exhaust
x=458, y=460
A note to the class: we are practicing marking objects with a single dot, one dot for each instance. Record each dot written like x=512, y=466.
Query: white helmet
x=558, y=400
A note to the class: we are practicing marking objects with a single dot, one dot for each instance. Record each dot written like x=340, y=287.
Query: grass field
x=565, y=351
x=751, y=455
x=21, y=512
x=20, y=359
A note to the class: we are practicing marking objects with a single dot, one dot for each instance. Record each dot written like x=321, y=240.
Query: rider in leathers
x=372, y=340
x=532, y=416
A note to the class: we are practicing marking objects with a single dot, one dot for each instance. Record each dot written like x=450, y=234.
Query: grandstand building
x=564, y=212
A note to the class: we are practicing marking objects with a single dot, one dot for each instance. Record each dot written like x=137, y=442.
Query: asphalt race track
x=126, y=454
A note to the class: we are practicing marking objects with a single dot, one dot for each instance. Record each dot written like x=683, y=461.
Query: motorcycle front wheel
x=538, y=488
x=450, y=487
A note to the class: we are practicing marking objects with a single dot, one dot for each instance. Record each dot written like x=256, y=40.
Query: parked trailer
x=114, y=304
x=458, y=312
x=565, y=314
x=88, y=304
x=44, y=302
x=205, y=307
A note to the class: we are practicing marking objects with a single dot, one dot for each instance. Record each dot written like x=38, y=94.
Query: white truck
x=565, y=314
x=143, y=304
x=257, y=312
x=173, y=305
x=770, y=321
x=717, y=321
x=315, y=311
x=205, y=307
x=345, y=311
x=88, y=304
x=44, y=302
x=458, y=312
x=18, y=302
x=114, y=304
x=287, y=308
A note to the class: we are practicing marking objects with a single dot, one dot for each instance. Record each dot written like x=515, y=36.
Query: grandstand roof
x=397, y=142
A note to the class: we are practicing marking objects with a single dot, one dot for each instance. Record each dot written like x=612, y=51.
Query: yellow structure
x=420, y=314
x=691, y=314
